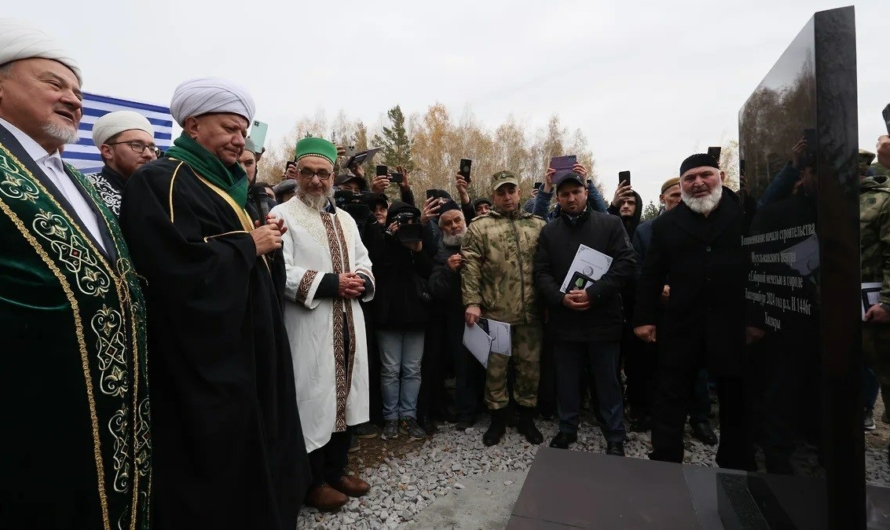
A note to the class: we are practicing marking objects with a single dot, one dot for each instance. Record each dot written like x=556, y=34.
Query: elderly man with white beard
x=445, y=289
x=328, y=272
x=698, y=246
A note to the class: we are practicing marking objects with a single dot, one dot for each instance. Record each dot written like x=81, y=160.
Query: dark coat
x=557, y=246
x=400, y=274
x=702, y=259
x=444, y=282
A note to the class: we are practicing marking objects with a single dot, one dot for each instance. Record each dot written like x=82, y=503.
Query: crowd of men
x=274, y=327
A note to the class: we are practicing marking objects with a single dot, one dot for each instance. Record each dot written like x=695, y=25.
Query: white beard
x=704, y=205
x=316, y=202
x=63, y=134
x=453, y=241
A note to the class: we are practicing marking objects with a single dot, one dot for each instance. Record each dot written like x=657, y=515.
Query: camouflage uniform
x=874, y=229
x=497, y=276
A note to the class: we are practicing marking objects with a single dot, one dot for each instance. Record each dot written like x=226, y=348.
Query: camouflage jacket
x=874, y=232
x=498, y=271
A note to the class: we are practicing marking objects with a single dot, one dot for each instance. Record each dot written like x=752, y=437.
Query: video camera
x=357, y=205
x=410, y=230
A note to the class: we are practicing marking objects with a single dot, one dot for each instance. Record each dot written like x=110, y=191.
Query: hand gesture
x=273, y=220
x=462, y=188
x=576, y=300
x=266, y=238
x=379, y=184
x=884, y=151
x=877, y=315
x=430, y=210
x=351, y=285
x=472, y=315
x=405, y=184
x=623, y=192
x=645, y=333
x=798, y=152
x=548, y=179
x=581, y=170
x=454, y=262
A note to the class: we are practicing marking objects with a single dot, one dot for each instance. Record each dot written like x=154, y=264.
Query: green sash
x=108, y=313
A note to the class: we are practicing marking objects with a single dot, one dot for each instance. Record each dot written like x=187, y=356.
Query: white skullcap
x=210, y=94
x=19, y=40
x=118, y=122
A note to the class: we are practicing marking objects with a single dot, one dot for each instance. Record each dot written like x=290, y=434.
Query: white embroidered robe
x=331, y=393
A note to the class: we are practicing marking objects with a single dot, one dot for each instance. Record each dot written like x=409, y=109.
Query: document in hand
x=588, y=266
x=871, y=295
x=478, y=342
x=500, y=337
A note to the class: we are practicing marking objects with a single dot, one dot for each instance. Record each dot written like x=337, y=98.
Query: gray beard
x=704, y=205
x=316, y=202
x=62, y=134
x=453, y=241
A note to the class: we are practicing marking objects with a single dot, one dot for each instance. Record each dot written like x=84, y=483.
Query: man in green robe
x=76, y=437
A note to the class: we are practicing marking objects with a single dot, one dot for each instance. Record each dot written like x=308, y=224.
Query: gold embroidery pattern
x=71, y=250
x=339, y=349
x=107, y=325
x=305, y=285
x=118, y=426
x=14, y=186
x=94, y=281
x=348, y=303
x=142, y=435
x=81, y=342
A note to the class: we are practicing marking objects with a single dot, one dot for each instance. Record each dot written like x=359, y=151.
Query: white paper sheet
x=500, y=336
x=589, y=262
x=871, y=295
x=478, y=342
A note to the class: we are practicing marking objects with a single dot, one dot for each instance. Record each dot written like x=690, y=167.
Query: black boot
x=526, y=426
x=497, y=428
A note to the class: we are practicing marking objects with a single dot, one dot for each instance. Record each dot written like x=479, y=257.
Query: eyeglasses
x=322, y=175
x=139, y=147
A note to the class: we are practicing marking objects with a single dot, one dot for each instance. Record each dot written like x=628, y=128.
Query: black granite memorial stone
x=798, y=147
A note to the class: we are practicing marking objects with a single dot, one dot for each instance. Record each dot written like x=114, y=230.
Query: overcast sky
x=648, y=82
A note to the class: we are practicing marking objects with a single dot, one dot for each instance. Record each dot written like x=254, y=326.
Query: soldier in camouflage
x=497, y=283
x=874, y=233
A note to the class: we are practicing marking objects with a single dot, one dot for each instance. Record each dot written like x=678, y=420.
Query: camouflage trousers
x=876, y=349
x=526, y=357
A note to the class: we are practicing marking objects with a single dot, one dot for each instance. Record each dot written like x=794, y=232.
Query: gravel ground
x=407, y=477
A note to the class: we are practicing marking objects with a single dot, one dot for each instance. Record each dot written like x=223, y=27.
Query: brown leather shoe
x=325, y=498
x=352, y=486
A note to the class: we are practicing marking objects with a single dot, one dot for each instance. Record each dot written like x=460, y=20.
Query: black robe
x=229, y=450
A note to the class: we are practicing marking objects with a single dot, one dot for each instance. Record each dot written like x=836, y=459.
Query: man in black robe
x=698, y=245
x=229, y=450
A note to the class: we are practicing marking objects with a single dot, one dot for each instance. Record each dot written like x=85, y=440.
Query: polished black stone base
x=571, y=489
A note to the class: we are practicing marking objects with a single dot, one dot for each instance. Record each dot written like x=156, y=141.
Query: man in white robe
x=328, y=273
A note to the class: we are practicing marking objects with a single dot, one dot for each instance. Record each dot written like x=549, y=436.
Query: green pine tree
x=395, y=141
x=650, y=212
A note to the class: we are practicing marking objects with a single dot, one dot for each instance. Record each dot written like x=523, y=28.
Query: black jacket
x=444, y=282
x=704, y=259
x=557, y=245
x=400, y=275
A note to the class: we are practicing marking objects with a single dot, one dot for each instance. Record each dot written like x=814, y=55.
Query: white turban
x=118, y=122
x=211, y=94
x=19, y=40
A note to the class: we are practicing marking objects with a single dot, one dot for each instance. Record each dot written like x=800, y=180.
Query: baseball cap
x=501, y=178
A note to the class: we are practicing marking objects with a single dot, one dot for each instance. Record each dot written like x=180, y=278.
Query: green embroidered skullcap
x=316, y=147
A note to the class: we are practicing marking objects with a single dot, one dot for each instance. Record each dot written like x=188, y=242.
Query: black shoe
x=497, y=428
x=615, y=449
x=526, y=426
x=703, y=432
x=366, y=430
x=563, y=440
x=463, y=425
x=428, y=425
x=354, y=445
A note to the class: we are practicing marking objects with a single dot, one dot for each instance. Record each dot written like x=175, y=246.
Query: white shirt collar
x=34, y=150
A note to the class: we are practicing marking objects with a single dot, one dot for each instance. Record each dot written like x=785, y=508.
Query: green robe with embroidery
x=73, y=382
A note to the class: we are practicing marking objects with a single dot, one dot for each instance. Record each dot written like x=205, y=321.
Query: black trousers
x=469, y=373
x=602, y=358
x=640, y=363
x=328, y=463
x=673, y=393
x=547, y=400
x=432, y=399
